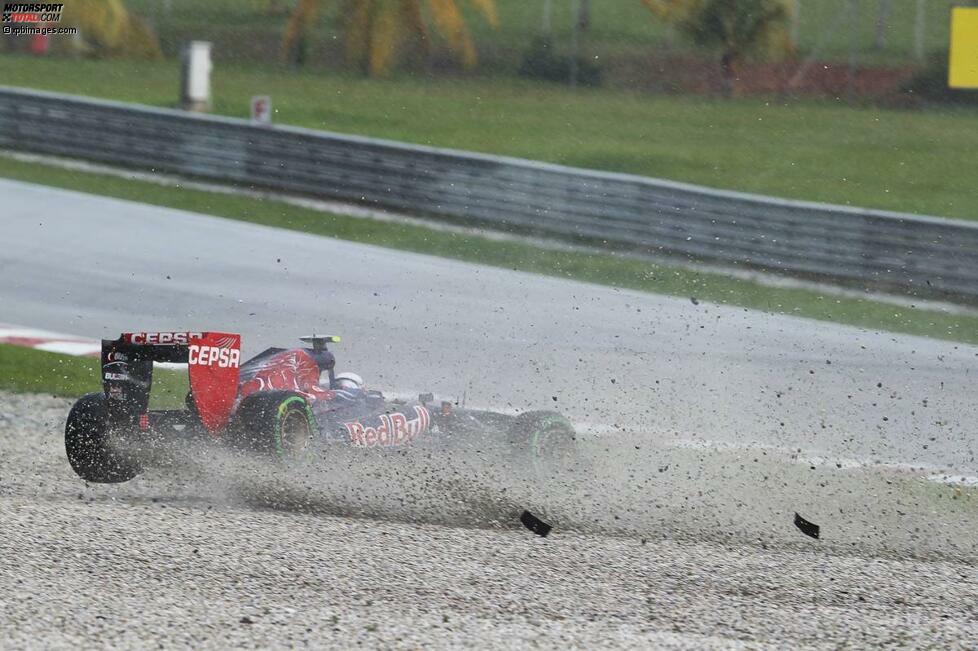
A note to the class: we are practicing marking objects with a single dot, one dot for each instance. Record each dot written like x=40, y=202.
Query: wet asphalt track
x=93, y=266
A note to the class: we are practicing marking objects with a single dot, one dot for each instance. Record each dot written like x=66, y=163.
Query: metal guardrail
x=926, y=256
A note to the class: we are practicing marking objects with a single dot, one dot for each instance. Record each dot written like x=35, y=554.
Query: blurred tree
x=373, y=30
x=108, y=29
x=737, y=27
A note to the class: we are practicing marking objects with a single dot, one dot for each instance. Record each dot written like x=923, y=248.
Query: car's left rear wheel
x=89, y=447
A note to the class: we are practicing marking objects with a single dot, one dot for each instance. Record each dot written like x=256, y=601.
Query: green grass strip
x=26, y=370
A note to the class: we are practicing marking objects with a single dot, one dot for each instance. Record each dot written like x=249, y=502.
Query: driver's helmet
x=347, y=381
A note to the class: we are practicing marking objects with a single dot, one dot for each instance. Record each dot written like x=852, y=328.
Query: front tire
x=275, y=423
x=546, y=439
x=88, y=446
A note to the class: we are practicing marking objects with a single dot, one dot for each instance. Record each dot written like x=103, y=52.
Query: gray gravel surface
x=189, y=559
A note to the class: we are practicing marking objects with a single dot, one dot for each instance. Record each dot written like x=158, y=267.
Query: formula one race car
x=285, y=403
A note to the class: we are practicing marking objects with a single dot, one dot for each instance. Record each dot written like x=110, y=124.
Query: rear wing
x=212, y=358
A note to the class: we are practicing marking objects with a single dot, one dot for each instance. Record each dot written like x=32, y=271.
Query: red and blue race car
x=286, y=403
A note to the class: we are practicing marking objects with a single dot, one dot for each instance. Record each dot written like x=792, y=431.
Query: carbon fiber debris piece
x=535, y=524
x=806, y=527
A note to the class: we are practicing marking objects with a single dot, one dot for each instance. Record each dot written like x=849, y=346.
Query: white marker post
x=195, y=86
x=261, y=109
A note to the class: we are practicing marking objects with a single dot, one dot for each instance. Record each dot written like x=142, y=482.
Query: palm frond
x=414, y=22
x=386, y=33
x=488, y=9
x=110, y=30
x=301, y=21
x=374, y=30
x=357, y=32
x=450, y=23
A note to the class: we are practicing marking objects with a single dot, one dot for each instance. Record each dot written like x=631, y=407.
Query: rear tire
x=87, y=444
x=546, y=440
x=275, y=423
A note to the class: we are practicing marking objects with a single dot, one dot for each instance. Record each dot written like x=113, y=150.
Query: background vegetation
x=245, y=30
x=911, y=161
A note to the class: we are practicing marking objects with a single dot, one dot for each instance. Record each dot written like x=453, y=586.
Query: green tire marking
x=282, y=408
